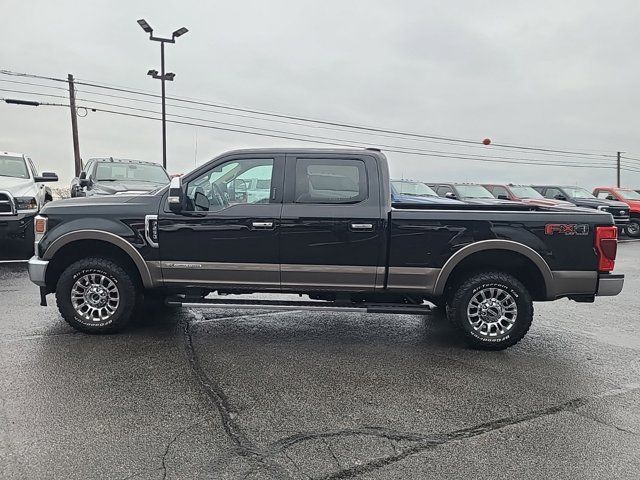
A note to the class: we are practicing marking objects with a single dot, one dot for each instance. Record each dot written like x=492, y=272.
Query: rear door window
x=333, y=181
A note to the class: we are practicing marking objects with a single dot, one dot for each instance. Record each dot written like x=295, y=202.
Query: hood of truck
x=599, y=202
x=18, y=187
x=634, y=205
x=546, y=202
x=98, y=204
x=119, y=188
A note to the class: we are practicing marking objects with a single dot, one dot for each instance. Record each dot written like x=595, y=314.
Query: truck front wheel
x=96, y=295
x=493, y=310
x=633, y=228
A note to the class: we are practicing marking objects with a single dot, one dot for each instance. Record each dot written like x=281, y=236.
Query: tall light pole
x=162, y=76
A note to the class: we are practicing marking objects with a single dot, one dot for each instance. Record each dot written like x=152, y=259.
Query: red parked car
x=630, y=197
x=524, y=194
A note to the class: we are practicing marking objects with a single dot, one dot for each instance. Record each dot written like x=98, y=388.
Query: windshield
x=473, y=191
x=132, y=172
x=13, y=167
x=629, y=194
x=416, y=189
x=525, y=192
x=577, y=192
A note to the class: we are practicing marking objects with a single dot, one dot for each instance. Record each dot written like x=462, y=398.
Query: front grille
x=6, y=204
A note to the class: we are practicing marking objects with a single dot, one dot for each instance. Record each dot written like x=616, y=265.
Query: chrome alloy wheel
x=492, y=312
x=95, y=297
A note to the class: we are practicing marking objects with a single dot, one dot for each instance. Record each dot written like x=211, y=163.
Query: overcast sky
x=563, y=74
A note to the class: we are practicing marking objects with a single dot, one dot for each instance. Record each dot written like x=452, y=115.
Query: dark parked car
x=410, y=191
x=324, y=227
x=112, y=176
x=583, y=198
x=525, y=194
x=468, y=193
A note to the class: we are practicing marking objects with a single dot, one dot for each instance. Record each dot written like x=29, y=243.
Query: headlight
x=26, y=203
x=603, y=208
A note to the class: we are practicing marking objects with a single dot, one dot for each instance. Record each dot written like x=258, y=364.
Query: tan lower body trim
x=329, y=277
x=412, y=279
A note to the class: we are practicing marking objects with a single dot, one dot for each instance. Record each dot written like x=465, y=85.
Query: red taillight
x=607, y=247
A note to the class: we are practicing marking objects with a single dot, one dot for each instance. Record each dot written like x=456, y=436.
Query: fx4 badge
x=566, y=229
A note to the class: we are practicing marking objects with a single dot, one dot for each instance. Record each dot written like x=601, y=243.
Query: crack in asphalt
x=171, y=442
x=421, y=441
x=328, y=445
x=607, y=424
x=219, y=398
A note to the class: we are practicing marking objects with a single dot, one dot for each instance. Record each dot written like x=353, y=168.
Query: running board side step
x=396, y=308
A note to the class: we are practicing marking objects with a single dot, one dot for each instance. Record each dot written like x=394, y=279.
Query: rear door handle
x=362, y=227
x=262, y=225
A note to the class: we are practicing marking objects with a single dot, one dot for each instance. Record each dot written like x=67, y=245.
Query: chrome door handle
x=362, y=226
x=263, y=225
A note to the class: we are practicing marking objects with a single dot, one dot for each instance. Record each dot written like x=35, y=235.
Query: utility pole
x=618, y=168
x=74, y=126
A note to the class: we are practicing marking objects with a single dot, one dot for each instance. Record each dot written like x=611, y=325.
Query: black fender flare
x=128, y=248
x=495, y=244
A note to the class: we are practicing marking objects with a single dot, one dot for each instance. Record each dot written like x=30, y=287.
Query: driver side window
x=242, y=181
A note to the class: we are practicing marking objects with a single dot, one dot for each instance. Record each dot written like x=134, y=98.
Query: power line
x=336, y=141
x=349, y=144
x=311, y=120
x=340, y=124
x=34, y=93
x=316, y=136
x=342, y=130
x=32, y=84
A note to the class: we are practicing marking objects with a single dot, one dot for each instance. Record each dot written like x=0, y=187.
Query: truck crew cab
x=324, y=227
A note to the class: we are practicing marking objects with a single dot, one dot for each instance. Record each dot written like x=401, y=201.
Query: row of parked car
x=622, y=203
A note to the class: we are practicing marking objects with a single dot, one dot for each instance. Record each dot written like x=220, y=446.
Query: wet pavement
x=299, y=395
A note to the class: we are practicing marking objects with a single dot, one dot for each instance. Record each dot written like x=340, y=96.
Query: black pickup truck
x=319, y=223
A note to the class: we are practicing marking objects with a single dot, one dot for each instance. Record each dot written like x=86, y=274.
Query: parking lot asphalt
x=298, y=395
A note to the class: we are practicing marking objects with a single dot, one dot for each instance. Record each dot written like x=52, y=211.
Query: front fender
x=104, y=236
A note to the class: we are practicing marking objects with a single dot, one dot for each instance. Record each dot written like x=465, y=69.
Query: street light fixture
x=162, y=76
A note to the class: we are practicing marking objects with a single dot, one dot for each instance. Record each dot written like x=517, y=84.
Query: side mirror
x=450, y=195
x=47, y=177
x=176, y=195
x=83, y=181
x=503, y=197
x=560, y=197
x=611, y=197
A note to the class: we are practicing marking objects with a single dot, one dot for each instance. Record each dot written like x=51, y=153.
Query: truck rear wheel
x=493, y=310
x=96, y=295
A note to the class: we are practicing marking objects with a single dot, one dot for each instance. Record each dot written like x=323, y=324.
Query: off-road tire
x=463, y=293
x=127, y=288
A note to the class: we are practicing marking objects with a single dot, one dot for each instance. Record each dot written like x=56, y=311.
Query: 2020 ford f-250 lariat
x=320, y=223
